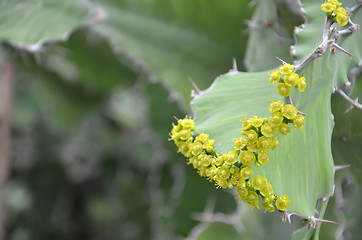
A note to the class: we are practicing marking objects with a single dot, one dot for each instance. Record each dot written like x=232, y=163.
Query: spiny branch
x=354, y=103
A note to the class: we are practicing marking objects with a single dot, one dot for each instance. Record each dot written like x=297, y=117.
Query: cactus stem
x=316, y=212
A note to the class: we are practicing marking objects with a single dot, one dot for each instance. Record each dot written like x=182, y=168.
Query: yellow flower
x=328, y=7
x=231, y=158
x=268, y=130
x=263, y=157
x=264, y=142
x=341, y=19
x=253, y=199
x=275, y=76
x=282, y=202
x=299, y=121
x=289, y=111
x=247, y=157
x=276, y=106
x=246, y=172
x=251, y=136
x=283, y=129
x=243, y=192
x=240, y=144
x=268, y=206
x=286, y=69
x=276, y=118
x=291, y=79
x=283, y=90
x=302, y=84
x=258, y=182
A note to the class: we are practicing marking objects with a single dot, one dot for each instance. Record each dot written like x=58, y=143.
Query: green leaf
x=29, y=24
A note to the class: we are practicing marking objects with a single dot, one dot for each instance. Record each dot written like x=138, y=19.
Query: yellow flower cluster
x=333, y=9
x=288, y=80
x=234, y=167
x=282, y=115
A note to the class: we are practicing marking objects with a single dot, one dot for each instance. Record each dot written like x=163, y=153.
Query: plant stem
x=6, y=85
x=353, y=103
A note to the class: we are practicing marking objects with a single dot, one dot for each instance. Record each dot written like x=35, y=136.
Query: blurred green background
x=95, y=87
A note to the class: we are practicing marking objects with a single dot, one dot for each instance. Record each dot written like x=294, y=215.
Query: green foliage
x=169, y=33
x=28, y=24
x=96, y=86
x=271, y=34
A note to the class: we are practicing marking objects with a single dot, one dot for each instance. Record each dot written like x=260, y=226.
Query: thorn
x=331, y=33
x=336, y=46
x=196, y=91
x=286, y=217
x=314, y=221
x=330, y=195
x=252, y=3
x=355, y=103
x=348, y=84
x=339, y=167
x=316, y=212
x=175, y=118
x=235, y=65
x=282, y=61
x=304, y=114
